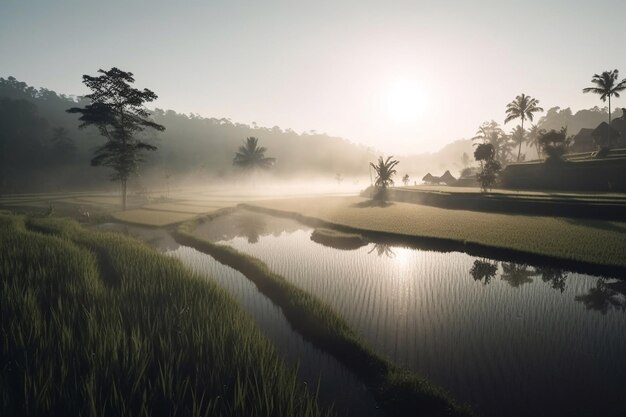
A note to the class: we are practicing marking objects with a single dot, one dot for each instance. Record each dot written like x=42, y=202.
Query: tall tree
x=118, y=111
x=606, y=85
x=522, y=108
x=251, y=156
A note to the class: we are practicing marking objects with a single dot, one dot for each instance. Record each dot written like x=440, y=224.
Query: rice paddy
x=399, y=393
x=591, y=241
x=96, y=323
x=497, y=335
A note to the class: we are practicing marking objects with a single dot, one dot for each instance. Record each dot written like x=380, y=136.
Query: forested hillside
x=42, y=148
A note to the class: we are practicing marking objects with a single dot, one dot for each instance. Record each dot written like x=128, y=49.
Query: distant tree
x=490, y=132
x=522, y=108
x=606, y=85
x=533, y=138
x=465, y=160
x=490, y=167
x=487, y=130
x=554, y=144
x=118, y=111
x=338, y=178
x=62, y=145
x=384, y=176
x=405, y=179
x=250, y=156
x=517, y=138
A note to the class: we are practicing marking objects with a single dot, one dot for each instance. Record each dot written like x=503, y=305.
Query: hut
x=583, y=141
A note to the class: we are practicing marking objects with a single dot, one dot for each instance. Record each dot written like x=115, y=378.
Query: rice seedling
x=97, y=323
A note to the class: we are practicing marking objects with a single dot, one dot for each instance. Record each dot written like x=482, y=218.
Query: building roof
x=603, y=130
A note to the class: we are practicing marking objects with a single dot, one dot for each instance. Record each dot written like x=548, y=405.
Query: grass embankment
x=398, y=392
x=587, y=245
x=100, y=324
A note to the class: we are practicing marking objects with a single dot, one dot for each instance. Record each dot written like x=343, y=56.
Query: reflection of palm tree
x=251, y=226
x=601, y=298
x=382, y=249
x=522, y=108
x=484, y=270
x=556, y=277
x=516, y=274
x=250, y=155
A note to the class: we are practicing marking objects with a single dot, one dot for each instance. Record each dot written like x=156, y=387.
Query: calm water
x=335, y=385
x=509, y=339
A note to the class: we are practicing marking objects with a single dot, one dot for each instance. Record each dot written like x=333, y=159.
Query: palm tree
x=523, y=108
x=607, y=86
x=487, y=130
x=250, y=155
x=384, y=171
x=384, y=175
x=533, y=138
x=517, y=138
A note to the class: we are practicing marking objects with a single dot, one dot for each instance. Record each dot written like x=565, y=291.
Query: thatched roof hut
x=428, y=178
x=447, y=178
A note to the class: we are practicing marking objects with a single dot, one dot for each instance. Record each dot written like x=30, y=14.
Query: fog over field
x=357, y=208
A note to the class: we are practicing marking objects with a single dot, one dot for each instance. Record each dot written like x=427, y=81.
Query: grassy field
x=399, y=393
x=590, y=241
x=97, y=323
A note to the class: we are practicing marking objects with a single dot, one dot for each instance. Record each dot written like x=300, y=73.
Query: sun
x=404, y=102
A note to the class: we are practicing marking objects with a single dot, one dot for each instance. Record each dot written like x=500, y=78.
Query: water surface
x=509, y=339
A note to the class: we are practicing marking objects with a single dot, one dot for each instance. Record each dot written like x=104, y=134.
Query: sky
x=399, y=76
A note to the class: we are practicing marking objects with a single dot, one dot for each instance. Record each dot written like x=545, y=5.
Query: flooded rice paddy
x=509, y=339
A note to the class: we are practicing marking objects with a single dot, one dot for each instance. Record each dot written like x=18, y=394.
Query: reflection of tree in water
x=484, y=270
x=556, y=277
x=602, y=298
x=250, y=226
x=383, y=249
x=516, y=274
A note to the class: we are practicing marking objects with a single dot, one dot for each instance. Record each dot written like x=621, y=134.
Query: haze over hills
x=49, y=151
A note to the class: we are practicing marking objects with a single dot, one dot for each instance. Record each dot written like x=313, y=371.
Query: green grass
x=398, y=392
x=593, y=242
x=98, y=323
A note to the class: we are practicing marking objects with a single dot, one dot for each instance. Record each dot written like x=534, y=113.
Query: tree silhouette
x=384, y=176
x=485, y=153
x=250, y=156
x=554, y=144
x=522, y=108
x=405, y=179
x=491, y=133
x=487, y=130
x=606, y=85
x=117, y=110
x=533, y=138
x=517, y=138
